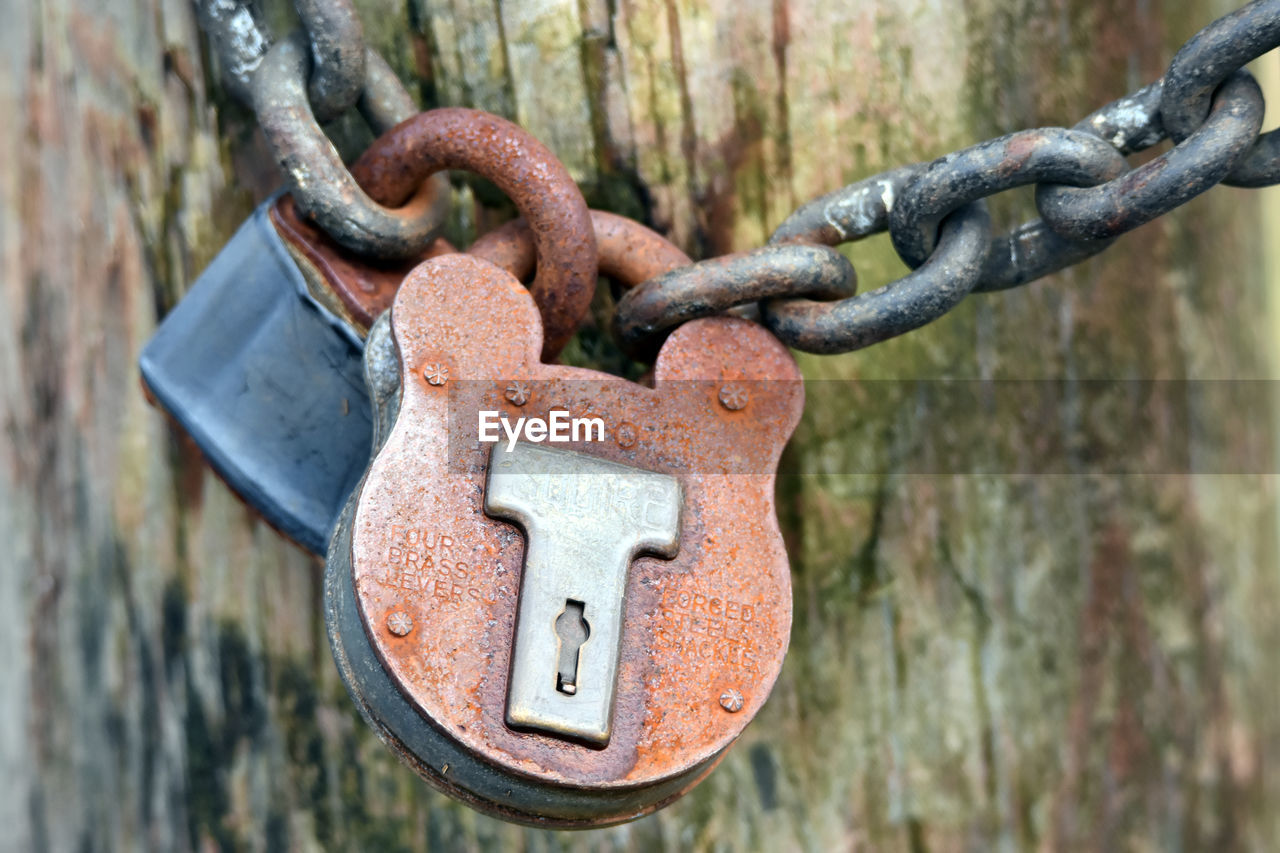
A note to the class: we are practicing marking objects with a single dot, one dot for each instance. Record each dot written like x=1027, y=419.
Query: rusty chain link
x=530, y=175
x=1203, y=63
x=319, y=181
x=649, y=312
x=1198, y=162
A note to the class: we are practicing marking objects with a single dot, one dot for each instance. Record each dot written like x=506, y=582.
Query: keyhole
x=573, y=631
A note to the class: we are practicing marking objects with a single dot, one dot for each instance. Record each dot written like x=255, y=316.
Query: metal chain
x=936, y=214
x=1203, y=63
x=319, y=181
x=240, y=41
x=659, y=305
x=315, y=75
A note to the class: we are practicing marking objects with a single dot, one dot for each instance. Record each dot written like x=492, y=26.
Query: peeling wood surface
x=979, y=661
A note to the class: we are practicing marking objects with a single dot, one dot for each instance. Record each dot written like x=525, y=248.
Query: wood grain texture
x=989, y=660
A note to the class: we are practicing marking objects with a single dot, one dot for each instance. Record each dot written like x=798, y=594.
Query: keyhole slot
x=573, y=631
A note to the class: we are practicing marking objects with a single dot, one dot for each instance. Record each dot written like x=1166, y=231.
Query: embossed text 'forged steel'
x=725, y=392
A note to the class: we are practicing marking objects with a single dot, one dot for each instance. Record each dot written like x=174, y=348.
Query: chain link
x=646, y=314
x=919, y=297
x=1195, y=164
x=320, y=183
x=1203, y=63
x=935, y=213
x=337, y=55
x=240, y=41
x=237, y=40
x=1026, y=157
x=315, y=75
x=1085, y=193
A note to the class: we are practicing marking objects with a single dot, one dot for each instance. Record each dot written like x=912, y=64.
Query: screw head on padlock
x=562, y=633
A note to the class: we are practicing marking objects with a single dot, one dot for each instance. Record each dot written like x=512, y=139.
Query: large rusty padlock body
x=457, y=561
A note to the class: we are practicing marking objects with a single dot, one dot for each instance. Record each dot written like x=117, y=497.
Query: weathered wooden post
x=984, y=655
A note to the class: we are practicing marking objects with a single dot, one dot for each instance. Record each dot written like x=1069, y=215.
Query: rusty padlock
x=561, y=633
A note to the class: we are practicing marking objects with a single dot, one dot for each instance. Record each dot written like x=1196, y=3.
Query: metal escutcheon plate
x=423, y=587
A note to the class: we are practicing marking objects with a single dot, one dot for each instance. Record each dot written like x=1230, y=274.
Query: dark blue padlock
x=268, y=382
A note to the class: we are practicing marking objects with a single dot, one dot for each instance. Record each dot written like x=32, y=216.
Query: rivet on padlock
x=481, y=697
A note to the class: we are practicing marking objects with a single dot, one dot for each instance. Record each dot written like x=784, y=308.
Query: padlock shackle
x=627, y=252
x=544, y=192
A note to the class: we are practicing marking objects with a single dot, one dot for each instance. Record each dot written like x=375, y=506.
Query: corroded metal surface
x=320, y=181
x=355, y=288
x=1207, y=102
x=337, y=55
x=363, y=286
x=1197, y=163
x=1204, y=63
x=541, y=187
x=1043, y=155
x=919, y=297
x=647, y=313
x=627, y=251
x=713, y=621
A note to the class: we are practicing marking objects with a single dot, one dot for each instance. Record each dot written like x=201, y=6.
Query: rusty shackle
x=363, y=286
x=627, y=252
x=544, y=192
